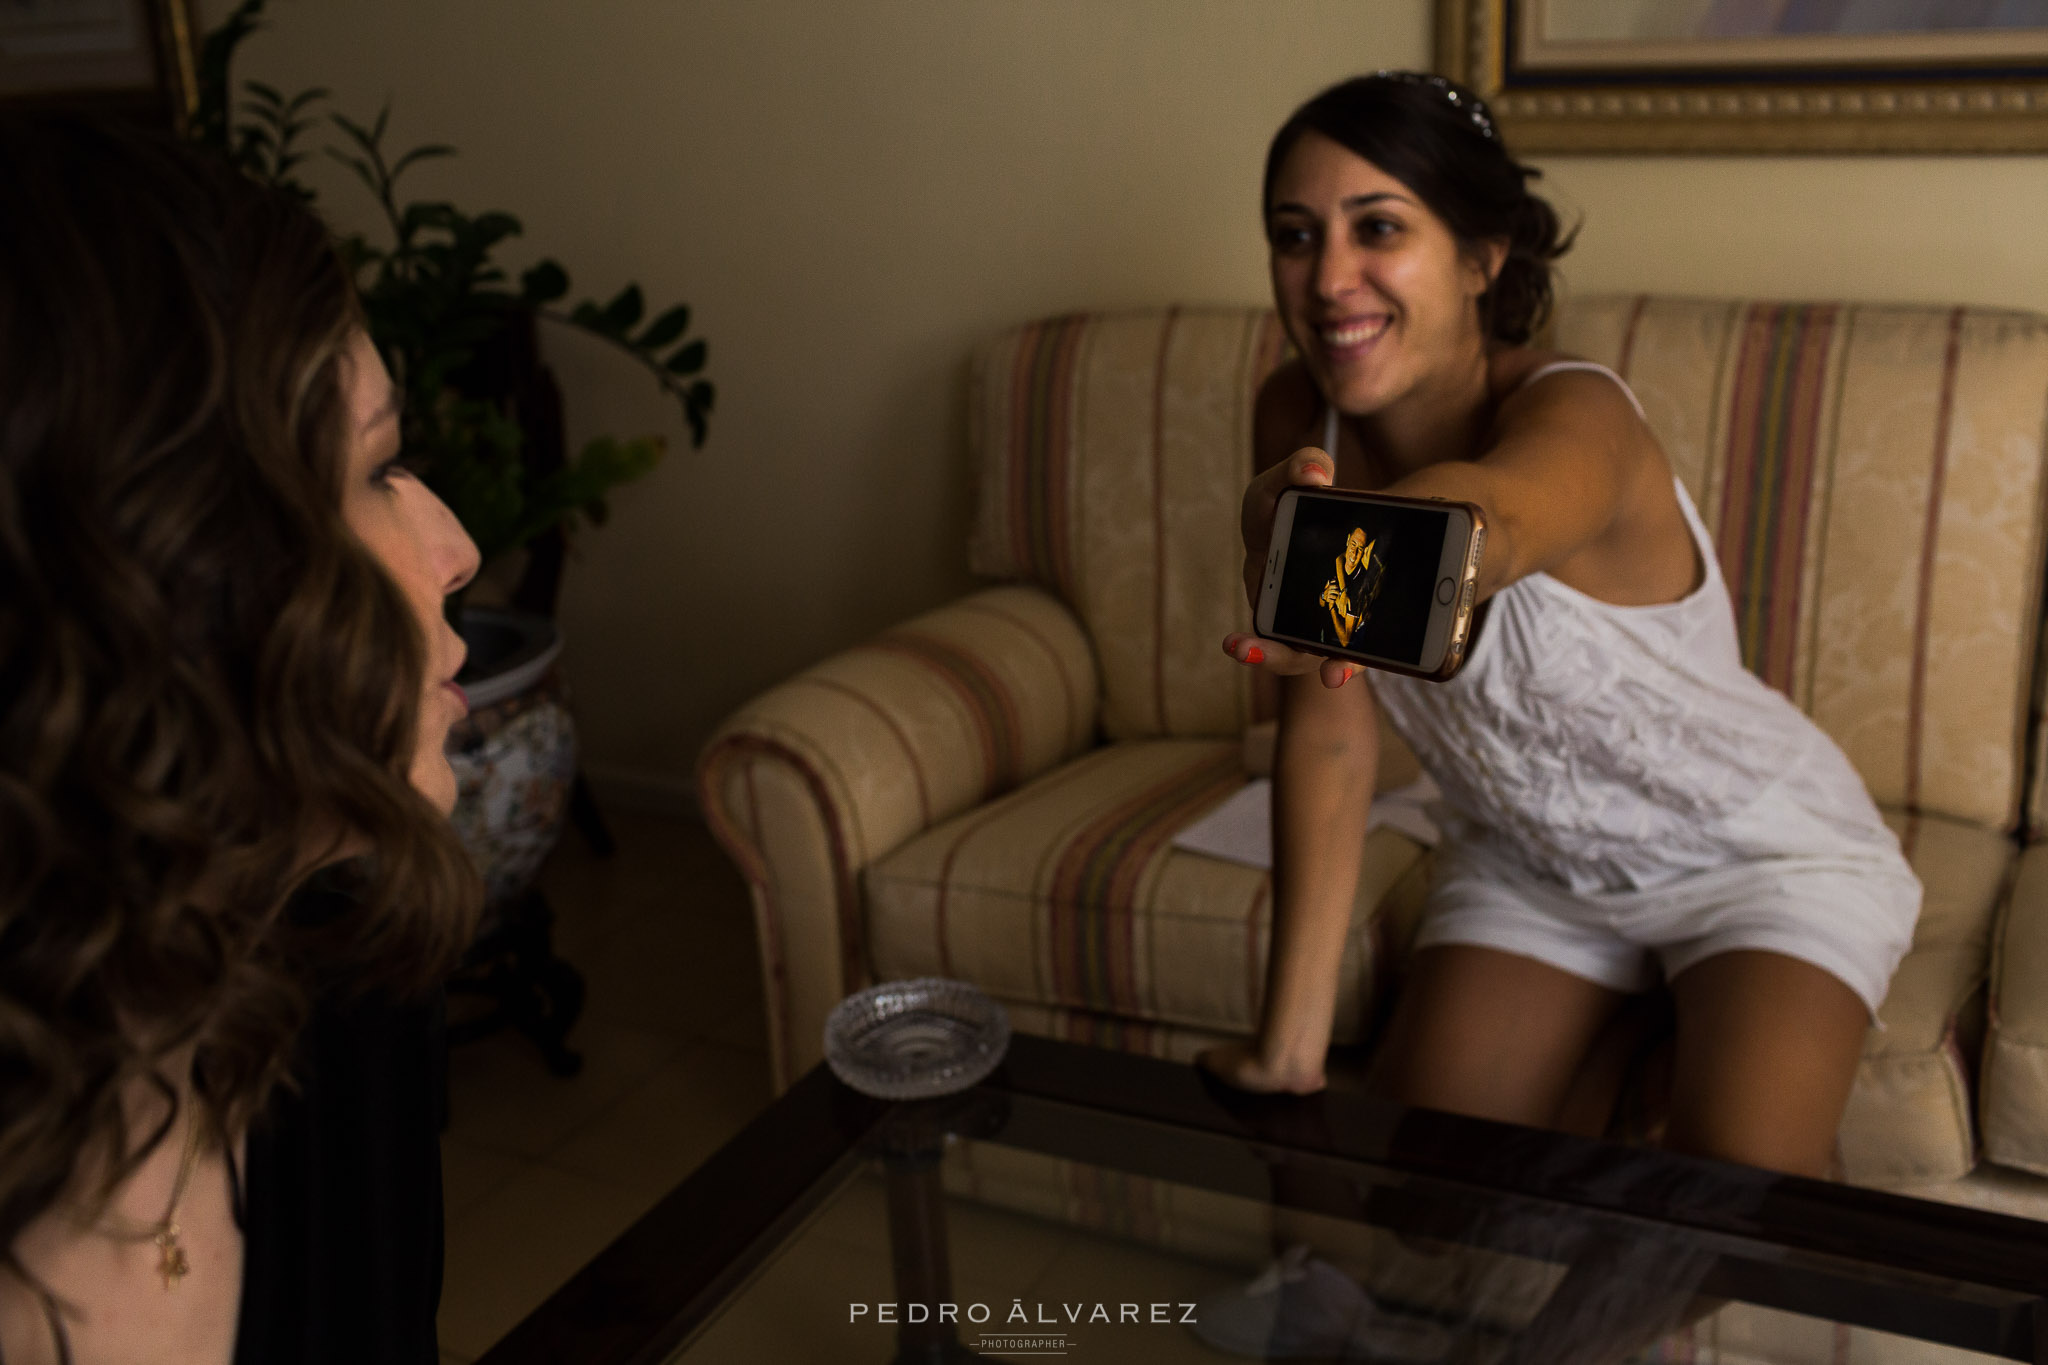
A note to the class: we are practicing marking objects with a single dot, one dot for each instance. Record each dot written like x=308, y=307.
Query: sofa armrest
x=2013, y=1090
x=815, y=779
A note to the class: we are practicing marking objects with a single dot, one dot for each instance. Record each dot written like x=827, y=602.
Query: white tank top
x=1612, y=748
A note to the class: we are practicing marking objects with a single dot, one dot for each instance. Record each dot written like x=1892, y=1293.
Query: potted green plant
x=483, y=428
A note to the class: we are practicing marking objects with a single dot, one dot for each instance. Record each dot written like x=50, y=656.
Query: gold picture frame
x=139, y=57
x=1562, y=77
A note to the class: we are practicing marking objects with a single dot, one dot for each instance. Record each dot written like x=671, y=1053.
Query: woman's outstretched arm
x=1324, y=767
x=1323, y=773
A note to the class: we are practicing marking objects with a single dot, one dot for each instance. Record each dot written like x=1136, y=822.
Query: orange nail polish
x=1255, y=656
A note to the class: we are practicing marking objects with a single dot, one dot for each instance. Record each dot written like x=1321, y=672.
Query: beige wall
x=850, y=193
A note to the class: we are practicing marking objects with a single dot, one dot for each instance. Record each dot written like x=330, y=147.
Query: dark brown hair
x=208, y=686
x=1438, y=139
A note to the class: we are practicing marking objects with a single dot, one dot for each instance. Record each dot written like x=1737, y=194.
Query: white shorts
x=1850, y=916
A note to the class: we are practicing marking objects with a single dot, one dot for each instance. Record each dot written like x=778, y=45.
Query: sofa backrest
x=1874, y=477
x=1112, y=450
x=1874, y=480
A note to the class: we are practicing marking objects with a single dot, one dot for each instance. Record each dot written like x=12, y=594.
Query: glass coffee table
x=826, y=1231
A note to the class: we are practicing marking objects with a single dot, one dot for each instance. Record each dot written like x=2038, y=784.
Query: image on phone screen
x=1360, y=576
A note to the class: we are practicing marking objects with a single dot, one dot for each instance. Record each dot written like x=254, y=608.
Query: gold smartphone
x=1385, y=581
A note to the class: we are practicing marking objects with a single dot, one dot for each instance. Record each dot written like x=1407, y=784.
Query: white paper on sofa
x=1241, y=829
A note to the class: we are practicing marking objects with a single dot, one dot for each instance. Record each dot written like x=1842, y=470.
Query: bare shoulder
x=1286, y=416
x=1579, y=430
x=1582, y=405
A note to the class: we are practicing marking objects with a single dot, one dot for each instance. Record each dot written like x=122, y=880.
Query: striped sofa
x=989, y=791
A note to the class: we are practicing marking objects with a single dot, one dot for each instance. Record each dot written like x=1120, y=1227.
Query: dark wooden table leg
x=926, y=1335
x=911, y=1148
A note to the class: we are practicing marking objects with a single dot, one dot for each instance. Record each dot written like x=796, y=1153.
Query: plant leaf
x=622, y=312
x=492, y=228
x=544, y=283
x=664, y=329
x=359, y=166
x=432, y=149
x=363, y=136
x=432, y=214
x=688, y=359
x=697, y=404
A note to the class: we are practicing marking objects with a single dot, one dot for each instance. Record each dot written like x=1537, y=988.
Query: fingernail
x=1230, y=646
x=1255, y=655
x=1348, y=671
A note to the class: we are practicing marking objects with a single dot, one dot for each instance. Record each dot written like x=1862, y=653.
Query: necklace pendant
x=173, y=1265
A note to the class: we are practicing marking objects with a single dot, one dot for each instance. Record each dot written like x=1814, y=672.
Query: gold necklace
x=172, y=1262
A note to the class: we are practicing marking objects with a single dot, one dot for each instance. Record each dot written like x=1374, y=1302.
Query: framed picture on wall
x=1755, y=75
x=133, y=55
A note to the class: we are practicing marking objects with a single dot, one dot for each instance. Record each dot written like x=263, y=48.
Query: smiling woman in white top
x=1623, y=802
x=1626, y=803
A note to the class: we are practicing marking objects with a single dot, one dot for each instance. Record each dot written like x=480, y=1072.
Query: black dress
x=341, y=1207
x=340, y=1199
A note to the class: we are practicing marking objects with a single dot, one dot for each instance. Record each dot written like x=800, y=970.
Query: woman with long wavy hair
x=228, y=891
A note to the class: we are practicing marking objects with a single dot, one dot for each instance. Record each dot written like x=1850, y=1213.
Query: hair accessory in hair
x=1473, y=108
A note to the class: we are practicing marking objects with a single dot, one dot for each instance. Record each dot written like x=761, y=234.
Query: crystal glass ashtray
x=910, y=1040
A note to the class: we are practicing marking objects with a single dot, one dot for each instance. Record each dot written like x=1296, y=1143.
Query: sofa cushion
x=1068, y=892
x=1909, y=1118
x=1112, y=451
x=1067, y=899
x=2014, y=1095
x=1873, y=477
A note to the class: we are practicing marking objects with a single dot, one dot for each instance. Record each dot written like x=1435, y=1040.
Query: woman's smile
x=1349, y=339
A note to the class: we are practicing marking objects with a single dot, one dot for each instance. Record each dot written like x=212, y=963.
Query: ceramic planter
x=514, y=755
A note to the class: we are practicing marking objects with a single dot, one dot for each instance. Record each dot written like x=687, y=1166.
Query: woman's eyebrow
x=1359, y=201
x=1356, y=201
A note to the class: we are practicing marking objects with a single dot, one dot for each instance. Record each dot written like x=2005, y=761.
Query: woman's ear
x=1485, y=260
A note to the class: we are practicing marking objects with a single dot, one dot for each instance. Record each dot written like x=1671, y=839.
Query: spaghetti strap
x=1591, y=366
x=1594, y=367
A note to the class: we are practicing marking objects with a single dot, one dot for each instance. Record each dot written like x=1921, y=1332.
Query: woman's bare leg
x=1487, y=1034
x=1481, y=1032
x=1767, y=1053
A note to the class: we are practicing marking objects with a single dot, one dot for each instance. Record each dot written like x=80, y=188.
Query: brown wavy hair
x=208, y=686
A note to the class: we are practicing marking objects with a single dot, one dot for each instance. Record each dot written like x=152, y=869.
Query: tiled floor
x=541, y=1173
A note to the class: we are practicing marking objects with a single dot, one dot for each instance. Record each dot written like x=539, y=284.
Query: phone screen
x=1361, y=576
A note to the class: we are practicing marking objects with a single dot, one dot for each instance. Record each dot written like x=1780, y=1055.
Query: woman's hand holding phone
x=1309, y=467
